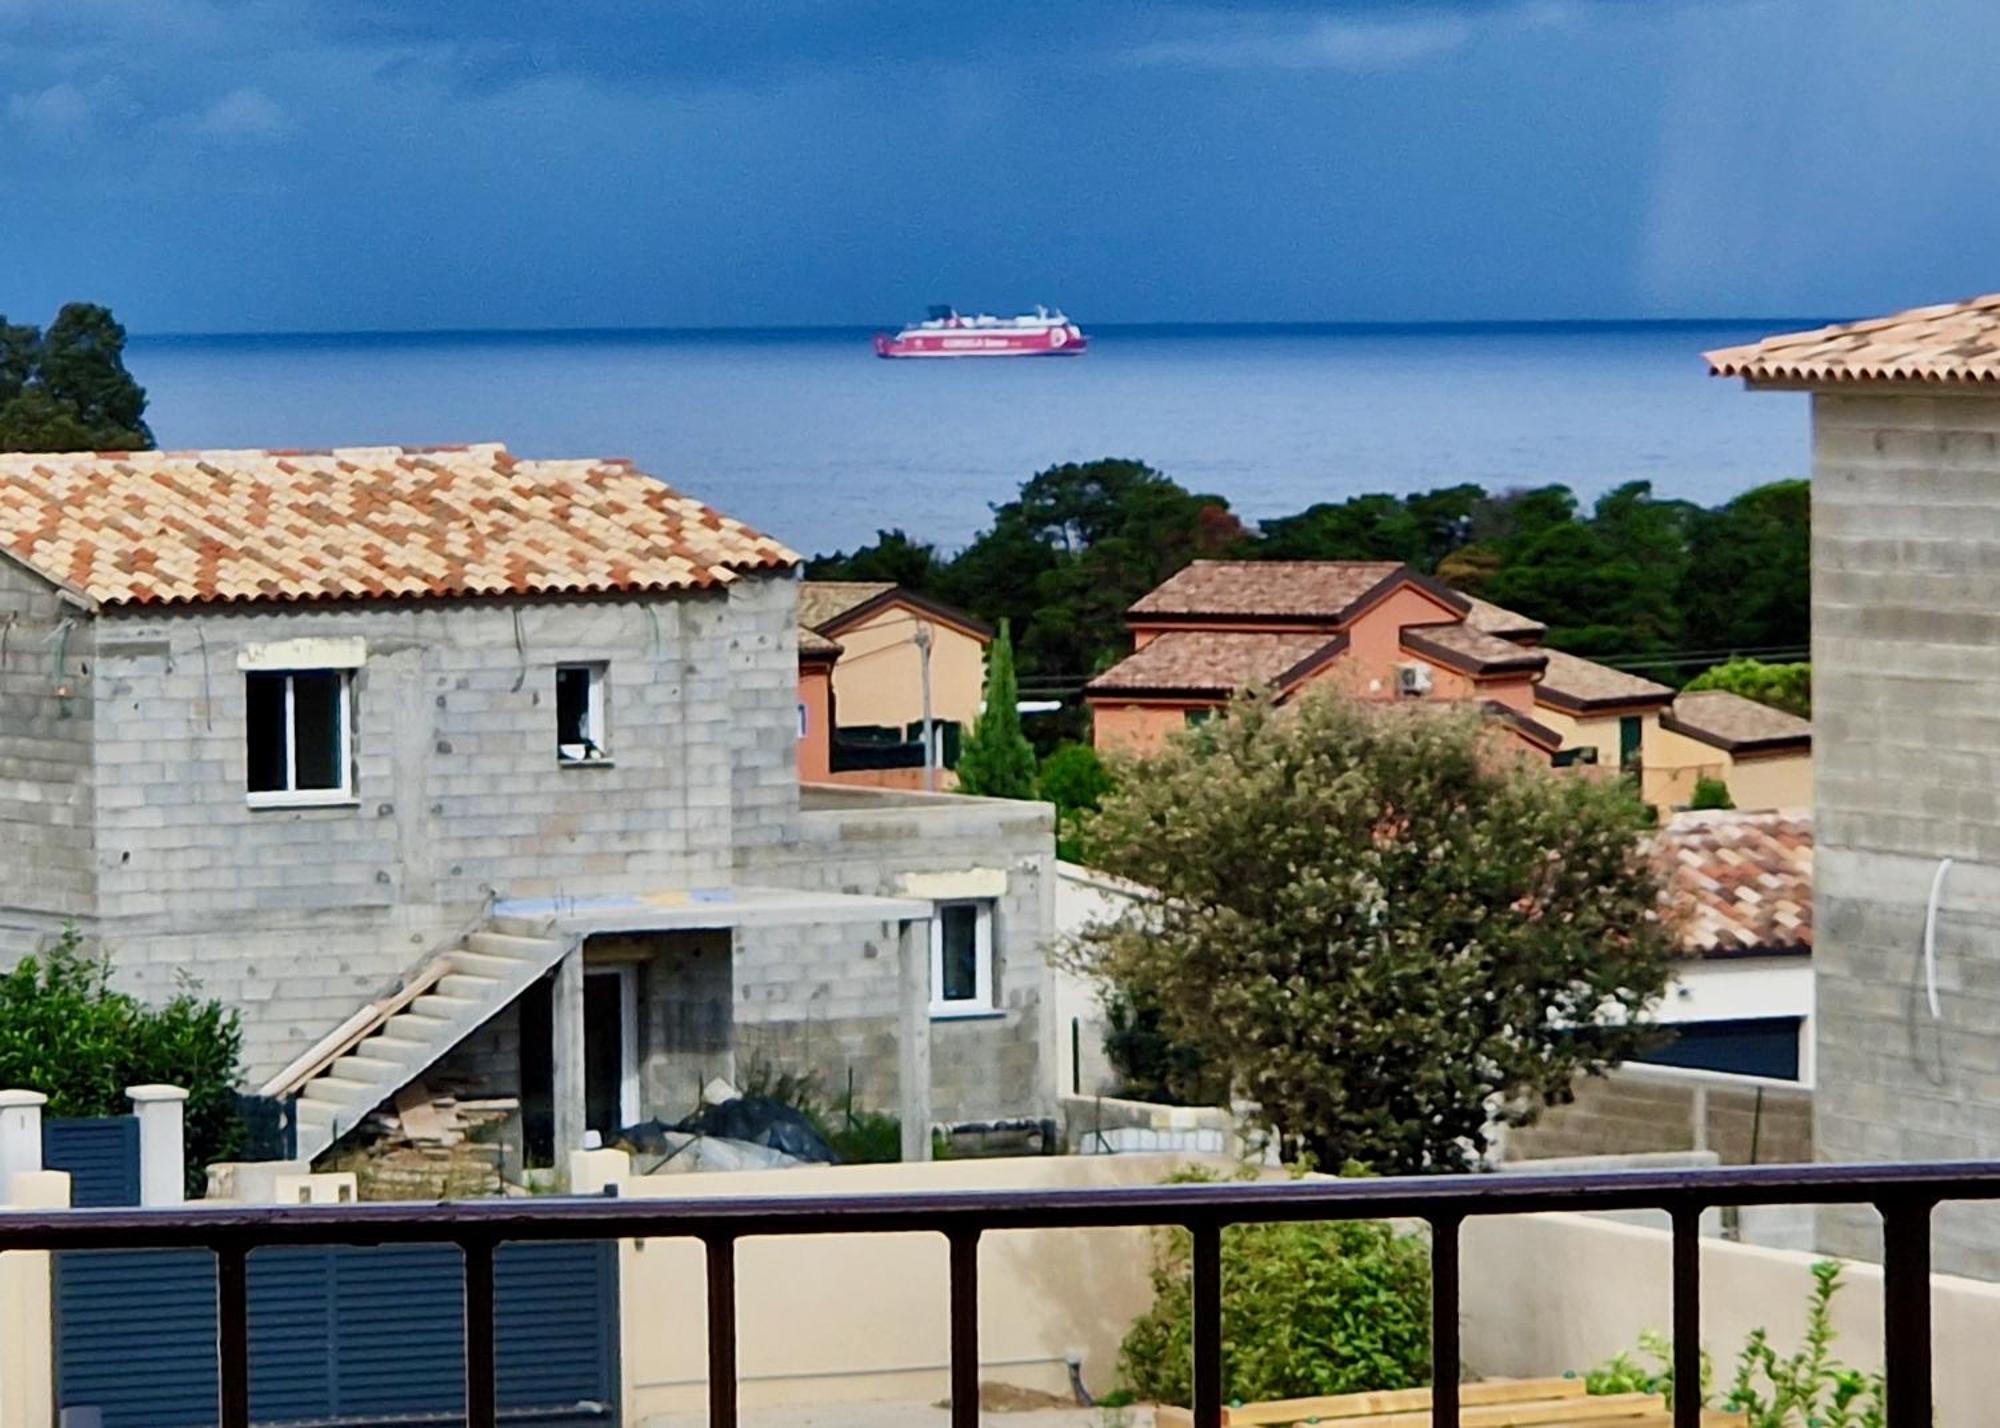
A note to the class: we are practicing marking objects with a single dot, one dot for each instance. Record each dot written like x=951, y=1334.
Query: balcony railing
x=1904, y=1194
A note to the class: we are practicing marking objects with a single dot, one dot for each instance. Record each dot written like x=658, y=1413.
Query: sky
x=308, y=165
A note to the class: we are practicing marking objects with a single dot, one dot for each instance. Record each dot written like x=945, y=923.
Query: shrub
x=1808, y=1389
x=1333, y=1307
x=1782, y=686
x=1074, y=778
x=1151, y=1065
x=1711, y=793
x=66, y=1033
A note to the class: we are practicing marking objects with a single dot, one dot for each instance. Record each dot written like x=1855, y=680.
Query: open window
x=297, y=727
x=962, y=959
x=580, y=714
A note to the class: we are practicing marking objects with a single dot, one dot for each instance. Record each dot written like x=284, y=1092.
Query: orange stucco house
x=1378, y=628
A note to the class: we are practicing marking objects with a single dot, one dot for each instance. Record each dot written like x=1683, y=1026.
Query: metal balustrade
x=1904, y=1194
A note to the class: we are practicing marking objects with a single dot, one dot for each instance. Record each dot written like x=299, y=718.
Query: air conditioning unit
x=1413, y=680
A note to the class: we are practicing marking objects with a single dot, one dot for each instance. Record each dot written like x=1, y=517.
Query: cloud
x=58, y=112
x=242, y=116
x=1362, y=45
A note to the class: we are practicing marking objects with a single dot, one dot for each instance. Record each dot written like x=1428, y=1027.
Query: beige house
x=1763, y=755
x=879, y=679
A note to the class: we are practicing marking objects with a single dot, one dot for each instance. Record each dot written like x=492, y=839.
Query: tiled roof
x=1208, y=662
x=1953, y=343
x=821, y=602
x=1576, y=684
x=1325, y=590
x=827, y=604
x=1734, y=724
x=1461, y=647
x=1533, y=730
x=813, y=644
x=1740, y=883
x=153, y=528
x=1495, y=620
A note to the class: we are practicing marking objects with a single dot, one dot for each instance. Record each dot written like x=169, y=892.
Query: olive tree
x=1379, y=926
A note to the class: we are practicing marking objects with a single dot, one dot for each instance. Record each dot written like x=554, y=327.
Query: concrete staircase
x=391, y=1042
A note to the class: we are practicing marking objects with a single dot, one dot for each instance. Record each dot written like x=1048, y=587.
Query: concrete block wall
x=300, y=914
x=1638, y=1111
x=47, y=782
x=829, y=996
x=1906, y=673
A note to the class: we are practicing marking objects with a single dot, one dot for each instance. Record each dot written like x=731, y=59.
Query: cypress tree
x=997, y=761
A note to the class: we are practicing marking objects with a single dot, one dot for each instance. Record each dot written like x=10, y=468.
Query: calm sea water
x=810, y=436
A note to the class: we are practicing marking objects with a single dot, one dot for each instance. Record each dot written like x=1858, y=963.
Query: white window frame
x=981, y=1002
x=293, y=796
x=593, y=715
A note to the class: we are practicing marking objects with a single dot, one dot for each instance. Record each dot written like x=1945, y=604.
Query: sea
x=808, y=435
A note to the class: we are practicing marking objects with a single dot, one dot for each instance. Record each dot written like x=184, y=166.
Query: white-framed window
x=962, y=958
x=580, y=714
x=298, y=727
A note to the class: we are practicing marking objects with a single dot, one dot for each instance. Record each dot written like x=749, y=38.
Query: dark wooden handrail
x=1904, y=1194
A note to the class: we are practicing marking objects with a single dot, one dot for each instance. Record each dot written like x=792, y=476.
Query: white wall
x=1084, y=896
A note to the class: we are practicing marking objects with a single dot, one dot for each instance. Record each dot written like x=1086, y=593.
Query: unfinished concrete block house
x=437, y=760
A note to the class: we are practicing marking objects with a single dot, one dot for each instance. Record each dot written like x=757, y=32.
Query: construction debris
x=429, y=1147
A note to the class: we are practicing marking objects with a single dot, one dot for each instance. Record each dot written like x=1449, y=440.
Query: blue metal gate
x=343, y=1335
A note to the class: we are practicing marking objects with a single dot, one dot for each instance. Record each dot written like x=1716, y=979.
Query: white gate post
x=162, y=1113
x=20, y=1135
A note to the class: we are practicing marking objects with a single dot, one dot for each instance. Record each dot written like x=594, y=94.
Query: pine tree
x=67, y=389
x=997, y=761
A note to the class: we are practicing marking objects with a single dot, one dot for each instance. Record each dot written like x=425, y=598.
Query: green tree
x=893, y=557
x=997, y=760
x=1782, y=686
x=67, y=389
x=1075, y=779
x=66, y=1033
x=1749, y=572
x=1378, y=928
x=1710, y=793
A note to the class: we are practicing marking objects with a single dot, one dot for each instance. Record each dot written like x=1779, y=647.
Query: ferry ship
x=950, y=333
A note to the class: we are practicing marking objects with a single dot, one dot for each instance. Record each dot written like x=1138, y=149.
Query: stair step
x=504, y=944
x=483, y=964
x=473, y=989
x=399, y=1048
x=364, y=1068
x=336, y=1089
x=311, y=1112
x=439, y=1007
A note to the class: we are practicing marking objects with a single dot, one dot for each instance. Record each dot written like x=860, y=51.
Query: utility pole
x=923, y=639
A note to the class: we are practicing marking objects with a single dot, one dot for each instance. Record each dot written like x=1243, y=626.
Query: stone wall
x=300, y=914
x=1906, y=675
x=828, y=997
x=1635, y=1111
x=48, y=870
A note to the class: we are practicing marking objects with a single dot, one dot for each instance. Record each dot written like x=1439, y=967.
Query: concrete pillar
x=913, y=1036
x=566, y=1055
x=20, y=1134
x=27, y=1348
x=162, y=1113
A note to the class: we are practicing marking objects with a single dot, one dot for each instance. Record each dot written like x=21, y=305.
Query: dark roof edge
x=1540, y=733
x=1570, y=704
x=1770, y=744
x=897, y=595
x=1525, y=661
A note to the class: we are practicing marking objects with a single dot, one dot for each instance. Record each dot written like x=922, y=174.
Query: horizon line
x=832, y=329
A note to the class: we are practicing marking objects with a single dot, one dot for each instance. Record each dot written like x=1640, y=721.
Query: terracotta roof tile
x=1734, y=724
x=1951, y=343
x=1575, y=684
x=192, y=526
x=812, y=643
x=1741, y=883
x=1208, y=662
x=1473, y=651
x=821, y=602
x=1495, y=620
x=1273, y=589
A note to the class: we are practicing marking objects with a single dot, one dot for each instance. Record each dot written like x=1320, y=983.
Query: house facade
x=873, y=652
x=441, y=762
x=1906, y=674
x=1376, y=629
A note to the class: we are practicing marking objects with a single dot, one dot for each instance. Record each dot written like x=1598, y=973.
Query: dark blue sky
x=208, y=165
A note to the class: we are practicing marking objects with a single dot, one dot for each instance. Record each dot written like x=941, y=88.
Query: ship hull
x=1055, y=342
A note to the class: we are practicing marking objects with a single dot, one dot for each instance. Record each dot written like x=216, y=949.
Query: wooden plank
x=1402, y=1400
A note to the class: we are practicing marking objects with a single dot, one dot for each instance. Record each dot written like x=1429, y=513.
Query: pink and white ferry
x=950, y=333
